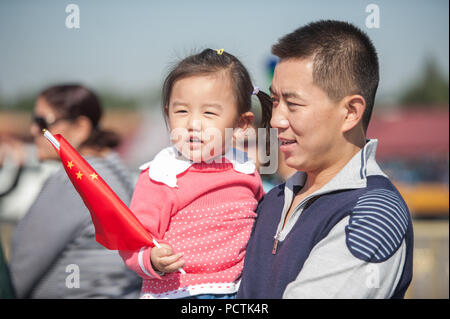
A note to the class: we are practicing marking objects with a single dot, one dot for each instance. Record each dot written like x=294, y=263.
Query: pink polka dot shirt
x=208, y=216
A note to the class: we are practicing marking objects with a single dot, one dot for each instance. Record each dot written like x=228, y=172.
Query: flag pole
x=55, y=143
x=51, y=138
x=157, y=245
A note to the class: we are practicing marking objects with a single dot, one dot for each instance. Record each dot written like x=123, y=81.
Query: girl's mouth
x=195, y=140
x=195, y=143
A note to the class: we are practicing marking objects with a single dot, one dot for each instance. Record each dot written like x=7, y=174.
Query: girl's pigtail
x=266, y=108
x=266, y=114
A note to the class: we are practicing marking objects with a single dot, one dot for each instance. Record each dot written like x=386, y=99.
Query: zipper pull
x=275, y=244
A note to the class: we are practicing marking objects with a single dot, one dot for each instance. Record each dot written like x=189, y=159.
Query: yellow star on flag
x=79, y=174
x=94, y=176
x=70, y=164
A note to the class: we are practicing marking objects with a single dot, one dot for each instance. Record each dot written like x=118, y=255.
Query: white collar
x=169, y=163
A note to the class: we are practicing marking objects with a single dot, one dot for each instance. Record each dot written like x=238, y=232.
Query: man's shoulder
x=378, y=222
x=272, y=201
x=275, y=194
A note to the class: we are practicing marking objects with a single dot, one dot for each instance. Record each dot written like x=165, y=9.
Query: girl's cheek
x=179, y=135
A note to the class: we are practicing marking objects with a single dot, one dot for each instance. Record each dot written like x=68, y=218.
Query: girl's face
x=201, y=108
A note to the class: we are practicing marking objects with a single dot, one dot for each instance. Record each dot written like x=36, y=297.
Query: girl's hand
x=163, y=259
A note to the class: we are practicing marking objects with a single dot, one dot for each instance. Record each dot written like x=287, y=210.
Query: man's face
x=309, y=123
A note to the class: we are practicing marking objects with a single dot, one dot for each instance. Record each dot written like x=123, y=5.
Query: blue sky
x=129, y=45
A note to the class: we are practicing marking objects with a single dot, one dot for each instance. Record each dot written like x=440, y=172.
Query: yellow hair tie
x=219, y=52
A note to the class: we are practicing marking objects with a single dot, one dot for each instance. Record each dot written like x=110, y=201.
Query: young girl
x=198, y=196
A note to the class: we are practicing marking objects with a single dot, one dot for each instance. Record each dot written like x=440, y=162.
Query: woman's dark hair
x=210, y=61
x=74, y=100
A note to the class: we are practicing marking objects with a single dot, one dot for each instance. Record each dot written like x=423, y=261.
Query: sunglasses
x=44, y=123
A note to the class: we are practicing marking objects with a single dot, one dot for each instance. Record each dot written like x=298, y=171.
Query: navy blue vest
x=266, y=275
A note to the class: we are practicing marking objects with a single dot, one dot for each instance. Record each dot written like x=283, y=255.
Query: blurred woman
x=53, y=250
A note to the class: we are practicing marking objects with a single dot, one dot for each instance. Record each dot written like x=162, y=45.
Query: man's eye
x=290, y=104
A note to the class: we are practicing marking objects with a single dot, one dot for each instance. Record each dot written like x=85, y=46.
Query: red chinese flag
x=116, y=227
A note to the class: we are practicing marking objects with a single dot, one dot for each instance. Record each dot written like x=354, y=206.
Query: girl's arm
x=153, y=204
x=259, y=190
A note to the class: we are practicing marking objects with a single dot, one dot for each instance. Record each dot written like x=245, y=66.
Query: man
x=337, y=228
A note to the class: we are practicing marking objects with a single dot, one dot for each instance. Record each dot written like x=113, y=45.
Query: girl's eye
x=181, y=111
x=210, y=113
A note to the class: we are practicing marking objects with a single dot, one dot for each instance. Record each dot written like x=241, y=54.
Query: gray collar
x=353, y=175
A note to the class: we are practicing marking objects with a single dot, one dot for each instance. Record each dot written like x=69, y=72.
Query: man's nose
x=279, y=119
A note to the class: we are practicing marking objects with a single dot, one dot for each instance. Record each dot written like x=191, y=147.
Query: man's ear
x=354, y=107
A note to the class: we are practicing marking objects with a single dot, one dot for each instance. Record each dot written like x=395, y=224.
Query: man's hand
x=163, y=259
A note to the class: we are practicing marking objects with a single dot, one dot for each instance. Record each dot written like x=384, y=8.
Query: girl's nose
x=195, y=124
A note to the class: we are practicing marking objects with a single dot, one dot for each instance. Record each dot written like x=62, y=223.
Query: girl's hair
x=74, y=100
x=210, y=61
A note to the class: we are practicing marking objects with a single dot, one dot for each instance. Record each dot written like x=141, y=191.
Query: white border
x=208, y=288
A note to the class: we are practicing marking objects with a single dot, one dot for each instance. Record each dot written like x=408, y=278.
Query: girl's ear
x=166, y=111
x=245, y=120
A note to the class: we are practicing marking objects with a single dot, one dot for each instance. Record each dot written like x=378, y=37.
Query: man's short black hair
x=345, y=60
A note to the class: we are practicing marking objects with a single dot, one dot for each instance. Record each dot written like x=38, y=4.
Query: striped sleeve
x=377, y=225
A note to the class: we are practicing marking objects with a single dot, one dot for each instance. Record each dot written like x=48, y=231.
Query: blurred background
x=123, y=50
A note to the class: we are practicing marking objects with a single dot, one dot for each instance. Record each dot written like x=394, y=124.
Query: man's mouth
x=287, y=142
x=287, y=145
